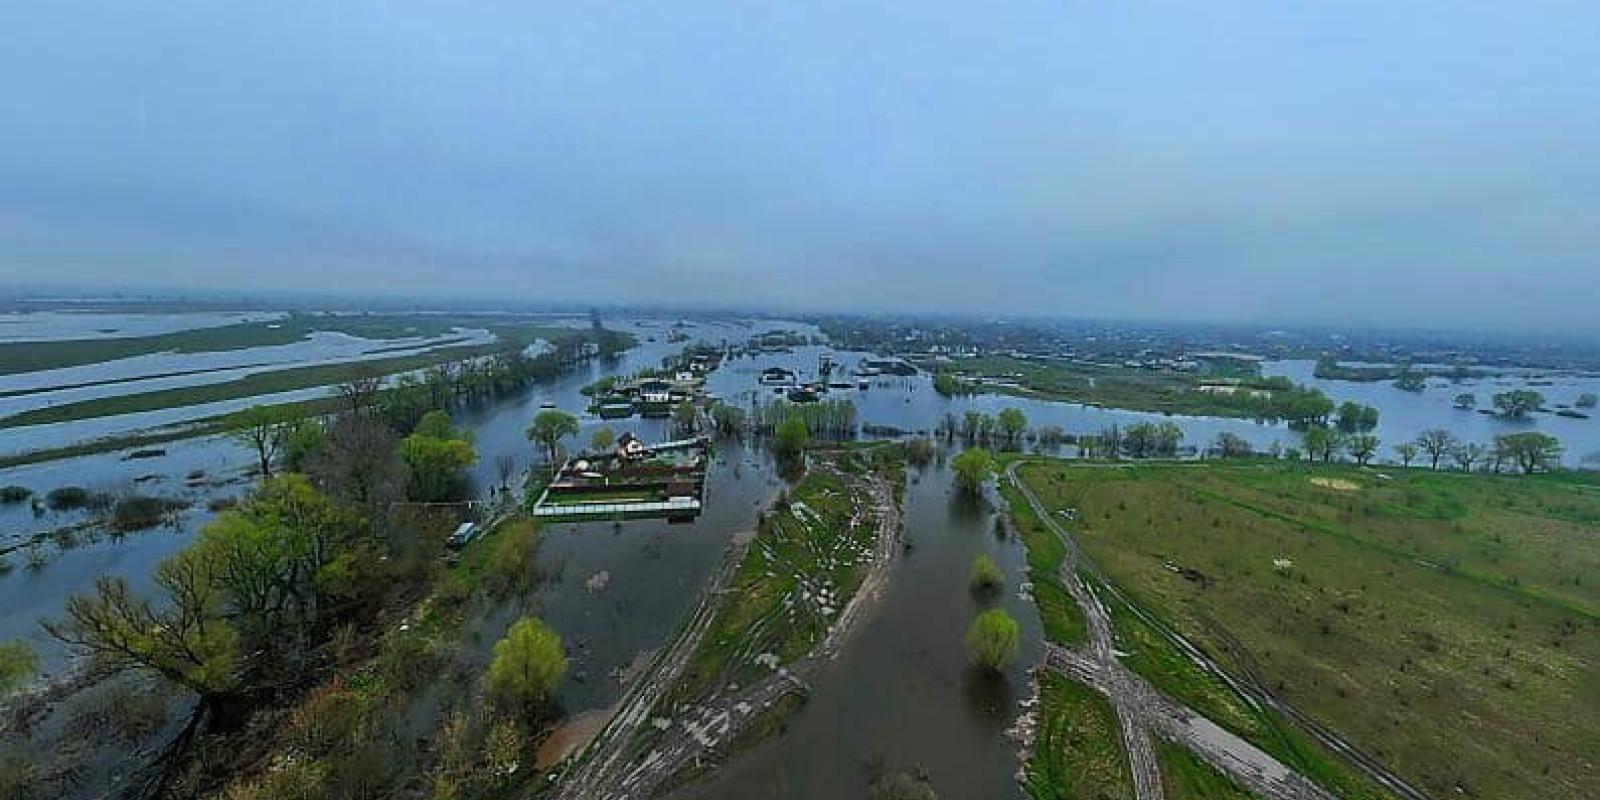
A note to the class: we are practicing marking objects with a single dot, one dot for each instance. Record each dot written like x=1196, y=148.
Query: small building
x=630, y=447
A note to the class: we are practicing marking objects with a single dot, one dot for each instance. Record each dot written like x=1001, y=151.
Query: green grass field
x=1185, y=776
x=1444, y=623
x=1115, y=387
x=1059, y=614
x=1077, y=753
x=30, y=356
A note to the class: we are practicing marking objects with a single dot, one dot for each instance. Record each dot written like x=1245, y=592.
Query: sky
x=1430, y=164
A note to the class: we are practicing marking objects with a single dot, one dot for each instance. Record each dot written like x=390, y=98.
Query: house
x=630, y=447
x=777, y=376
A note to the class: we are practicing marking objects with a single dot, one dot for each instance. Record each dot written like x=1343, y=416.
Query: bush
x=986, y=575
x=11, y=495
x=513, y=568
x=67, y=498
x=140, y=512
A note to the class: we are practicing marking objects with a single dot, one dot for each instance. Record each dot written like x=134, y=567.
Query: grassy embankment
x=1059, y=614
x=804, y=565
x=1441, y=622
x=1133, y=388
x=1186, y=776
x=1078, y=751
x=270, y=382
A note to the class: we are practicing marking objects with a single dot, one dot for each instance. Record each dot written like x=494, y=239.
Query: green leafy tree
x=1518, y=403
x=1531, y=451
x=1356, y=418
x=602, y=440
x=1321, y=443
x=436, y=467
x=993, y=639
x=527, y=666
x=1013, y=423
x=791, y=437
x=18, y=663
x=183, y=639
x=549, y=428
x=985, y=575
x=304, y=441
x=1362, y=447
x=1467, y=454
x=437, y=425
x=685, y=419
x=1231, y=445
x=973, y=467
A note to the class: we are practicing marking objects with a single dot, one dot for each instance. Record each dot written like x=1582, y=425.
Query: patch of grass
x=1077, y=751
x=1185, y=776
x=1059, y=614
x=1444, y=623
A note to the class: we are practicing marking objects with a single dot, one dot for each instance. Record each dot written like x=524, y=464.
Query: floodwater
x=1402, y=414
x=902, y=694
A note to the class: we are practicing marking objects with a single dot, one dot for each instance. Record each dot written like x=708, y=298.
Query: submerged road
x=1141, y=708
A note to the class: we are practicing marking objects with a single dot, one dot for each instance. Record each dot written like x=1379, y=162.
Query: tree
x=1436, y=442
x=1356, y=418
x=183, y=639
x=985, y=575
x=359, y=465
x=436, y=425
x=973, y=467
x=602, y=440
x=992, y=640
x=1013, y=423
x=505, y=465
x=684, y=418
x=549, y=428
x=527, y=666
x=1467, y=454
x=359, y=394
x=1407, y=451
x=1231, y=445
x=1362, y=447
x=727, y=419
x=436, y=467
x=262, y=428
x=1586, y=400
x=971, y=424
x=1531, y=451
x=303, y=441
x=791, y=437
x=267, y=557
x=18, y=663
x=1518, y=403
x=1321, y=443
x=1466, y=401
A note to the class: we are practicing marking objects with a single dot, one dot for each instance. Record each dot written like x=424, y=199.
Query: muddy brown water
x=902, y=694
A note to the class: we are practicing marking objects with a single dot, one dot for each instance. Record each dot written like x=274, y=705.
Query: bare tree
x=359, y=394
x=1436, y=442
x=505, y=465
x=1468, y=454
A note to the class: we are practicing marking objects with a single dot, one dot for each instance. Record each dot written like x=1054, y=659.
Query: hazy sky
x=1364, y=160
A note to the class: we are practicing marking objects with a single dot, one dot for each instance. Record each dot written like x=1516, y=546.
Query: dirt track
x=1142, y=709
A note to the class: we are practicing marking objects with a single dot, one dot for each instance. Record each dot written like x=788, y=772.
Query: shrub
x=67, y=498
x=986, y=575
x=141, y=512
x=11, y=495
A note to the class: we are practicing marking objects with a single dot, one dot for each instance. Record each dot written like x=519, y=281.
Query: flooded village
x=724, y=605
